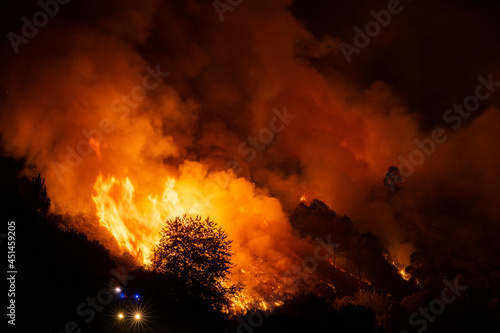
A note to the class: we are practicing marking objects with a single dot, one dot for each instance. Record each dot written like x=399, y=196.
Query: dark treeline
x=59, y=269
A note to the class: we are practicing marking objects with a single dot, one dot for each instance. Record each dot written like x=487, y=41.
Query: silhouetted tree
x=358, y=251
x=393, y=179
x=40, y=199
x=193, y=255
x=319, y=221
x=373, y=262
x=422, y=269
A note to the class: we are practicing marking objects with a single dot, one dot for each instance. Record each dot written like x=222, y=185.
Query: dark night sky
x=432, y=52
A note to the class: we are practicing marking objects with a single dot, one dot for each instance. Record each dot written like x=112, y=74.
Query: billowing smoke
x=162, y=89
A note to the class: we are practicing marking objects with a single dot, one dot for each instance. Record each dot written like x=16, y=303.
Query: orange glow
x=136, y=227
x=95, y=144
x=404, y=275
x=162, y=144
x=253, y=221
x=401, y=270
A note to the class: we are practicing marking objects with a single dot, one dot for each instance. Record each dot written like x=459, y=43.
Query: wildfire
x=404, y=275
x=254, y=221
x=135, y=226
x=401, y=271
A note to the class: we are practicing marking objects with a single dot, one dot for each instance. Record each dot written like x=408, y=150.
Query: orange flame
x=254, y=222
x=404, y=275
x=135, y=226
x=401, y=270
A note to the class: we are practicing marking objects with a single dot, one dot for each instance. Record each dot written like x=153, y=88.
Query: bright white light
x=120, y=315
x=137, y=316
x=117, y=289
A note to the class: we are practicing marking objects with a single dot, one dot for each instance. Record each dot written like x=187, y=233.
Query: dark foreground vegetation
x=63, y=279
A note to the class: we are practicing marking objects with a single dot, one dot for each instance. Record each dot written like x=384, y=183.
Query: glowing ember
x=401, y=271
x=404, y=275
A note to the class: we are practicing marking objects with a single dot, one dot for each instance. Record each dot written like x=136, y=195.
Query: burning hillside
x=252, y=219
x=139, y=112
